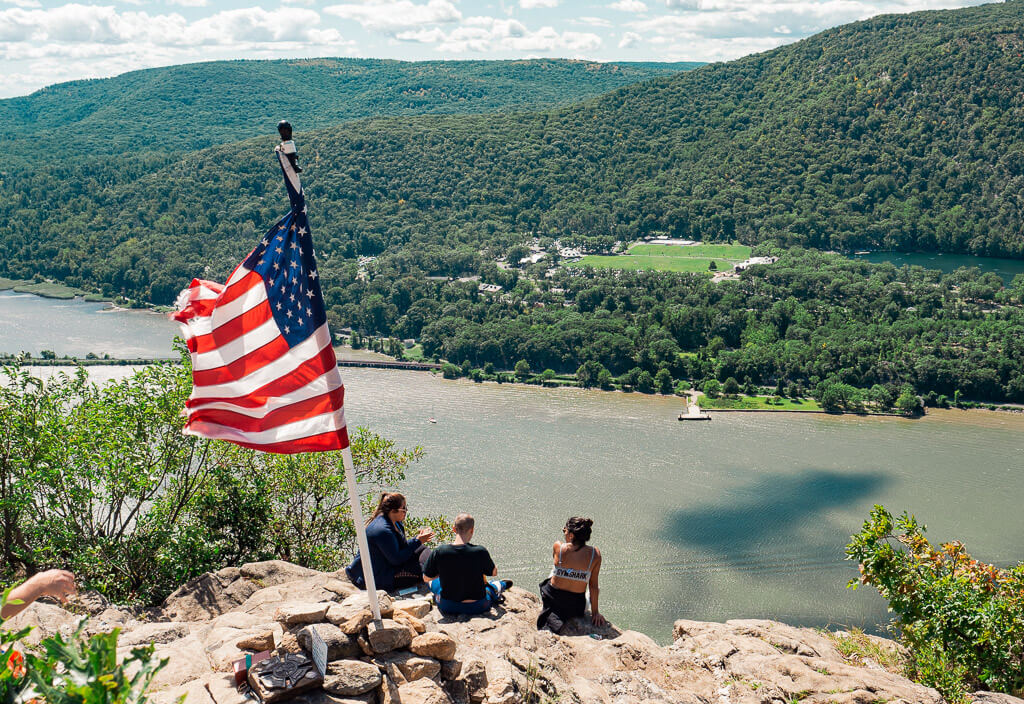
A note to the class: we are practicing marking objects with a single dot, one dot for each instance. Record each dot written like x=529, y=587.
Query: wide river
x=743, y=516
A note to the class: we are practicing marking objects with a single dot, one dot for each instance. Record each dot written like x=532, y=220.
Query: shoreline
x=374, y=363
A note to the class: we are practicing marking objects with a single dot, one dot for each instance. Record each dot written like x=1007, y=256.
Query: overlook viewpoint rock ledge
x=422, y=657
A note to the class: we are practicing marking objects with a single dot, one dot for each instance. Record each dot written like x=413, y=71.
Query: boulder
x=339, y=644
x=474, y=674
x=194, y=692
x=410, y=621
x=349, y=677
x=414, y=607
x=263, y=640
x=45, y=620
x=422, y=692
x=208, y=596
x=434, y=645
x=412, y=667
x=264, y=602
x=222, y=690
x=186, y=662
x=388, y=692
x=994, y=698
x=502, y=691
x=450, y=669
x=360, y=601
x=297, y=613
x=155, y=633
x=388, y=636
x=271, y=573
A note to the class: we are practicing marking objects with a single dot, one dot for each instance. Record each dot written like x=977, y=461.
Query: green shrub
x=100, y=481
x=961, y=620
x=73, y=670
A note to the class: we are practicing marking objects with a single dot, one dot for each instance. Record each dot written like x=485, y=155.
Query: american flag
x=264, y=372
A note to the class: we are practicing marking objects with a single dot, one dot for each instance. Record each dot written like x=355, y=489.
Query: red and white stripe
x=248, y=387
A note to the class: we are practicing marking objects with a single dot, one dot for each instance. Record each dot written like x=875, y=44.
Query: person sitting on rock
x=576, y=566
x=59, y=584
x=397, y=561
x=461, y=570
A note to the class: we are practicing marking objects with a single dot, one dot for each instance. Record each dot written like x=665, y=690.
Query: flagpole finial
x=284, y=128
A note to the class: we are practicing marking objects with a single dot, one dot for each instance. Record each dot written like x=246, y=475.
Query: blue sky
x=47, y=41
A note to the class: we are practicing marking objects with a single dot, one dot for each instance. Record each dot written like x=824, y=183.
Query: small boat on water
x=431, y=420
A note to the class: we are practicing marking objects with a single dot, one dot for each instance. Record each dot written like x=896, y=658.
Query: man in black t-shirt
x=461, y=570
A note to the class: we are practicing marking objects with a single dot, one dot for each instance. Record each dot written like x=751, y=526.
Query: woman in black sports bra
x=574, y=570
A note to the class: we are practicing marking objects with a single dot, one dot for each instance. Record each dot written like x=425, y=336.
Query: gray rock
x=412, y=667
x=349, y=677
x=339, y=644
x=422, y=692
x=274, y=572
x=434, y=645
x=156, y=633
x=360, y=601
x=208, y=596
x=264, y=640
x=474, y=674
x=388, y=636
x=457, y=691
x=450, y=669
x=994, y=698
x=414, y=607
x=223, y=691
x=297, y=613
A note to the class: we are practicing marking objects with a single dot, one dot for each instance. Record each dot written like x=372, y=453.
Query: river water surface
x=744, y=516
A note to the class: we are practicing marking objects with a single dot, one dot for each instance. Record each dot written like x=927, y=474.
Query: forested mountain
x=190, y=107
x=901, y=131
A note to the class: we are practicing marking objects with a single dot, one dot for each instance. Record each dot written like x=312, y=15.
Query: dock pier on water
x=693, y=412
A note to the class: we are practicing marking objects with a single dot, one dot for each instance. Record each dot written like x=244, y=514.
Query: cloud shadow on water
x=763, y=542
x=774, y=506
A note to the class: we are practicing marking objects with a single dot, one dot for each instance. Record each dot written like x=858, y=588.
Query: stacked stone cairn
x=397, y=660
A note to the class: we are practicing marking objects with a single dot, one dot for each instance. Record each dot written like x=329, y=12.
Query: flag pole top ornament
x=287, y=146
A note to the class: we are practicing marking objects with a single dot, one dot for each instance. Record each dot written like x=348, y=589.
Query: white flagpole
x=357, y=519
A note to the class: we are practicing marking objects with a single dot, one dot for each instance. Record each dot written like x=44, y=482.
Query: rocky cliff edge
x=422, y=657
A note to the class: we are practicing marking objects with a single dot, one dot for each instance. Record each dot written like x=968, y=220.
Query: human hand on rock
x=59, y=584
x=598, y=620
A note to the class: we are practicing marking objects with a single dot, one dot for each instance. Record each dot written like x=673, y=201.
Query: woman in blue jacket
x=397, y=562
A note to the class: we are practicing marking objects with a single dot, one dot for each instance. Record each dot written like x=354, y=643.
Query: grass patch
x=737, y=252
x=99, y=298
x=756, y=403
x=49, y=290
x=7, y=284
x=858, y=648
x=654, y=263
x=415, y=353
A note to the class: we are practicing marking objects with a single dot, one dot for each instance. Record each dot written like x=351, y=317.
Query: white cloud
x=530, y=4
x=684, y=4
x=629, y=6
x=298, y=2
x=23, y=3
x=591, y=22
x=392, y=17
x=187, y=3
x=629, y=40
x=490, y=34
x=40, y=47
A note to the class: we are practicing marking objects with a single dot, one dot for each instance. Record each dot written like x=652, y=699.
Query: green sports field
x=667, y=257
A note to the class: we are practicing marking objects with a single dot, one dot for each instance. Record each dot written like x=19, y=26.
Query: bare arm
x=595, y=613
x=55, y=583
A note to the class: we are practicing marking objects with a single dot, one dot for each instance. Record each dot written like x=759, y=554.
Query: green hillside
x=901, y=131
x=190, y=107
